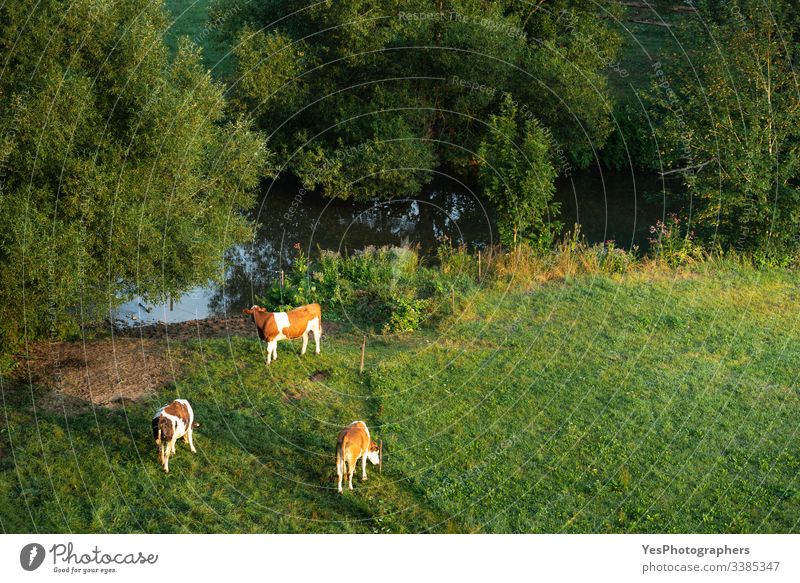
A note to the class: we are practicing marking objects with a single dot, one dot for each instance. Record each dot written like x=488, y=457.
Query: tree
x=517, y=175
x=400, y=88
x=729, y=125
x=121, y=175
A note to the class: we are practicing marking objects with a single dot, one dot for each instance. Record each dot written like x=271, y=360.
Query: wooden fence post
x=479, y=264
x=363, y=350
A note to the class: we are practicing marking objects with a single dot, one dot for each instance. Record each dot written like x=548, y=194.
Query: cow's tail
x=319, y=319
x=341, y=464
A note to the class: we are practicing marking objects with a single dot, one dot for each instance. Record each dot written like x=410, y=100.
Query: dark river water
x=616, y=206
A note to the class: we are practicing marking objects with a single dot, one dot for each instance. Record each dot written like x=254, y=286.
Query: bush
x=384, y=289
x=670, y=245
x=612, y=259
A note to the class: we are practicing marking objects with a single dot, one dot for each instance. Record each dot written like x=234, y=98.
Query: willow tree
x=121, y=172
x=366, y=99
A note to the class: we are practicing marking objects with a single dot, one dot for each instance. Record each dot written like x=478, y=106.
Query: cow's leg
x=191, y=442
x=340, y=472
x=352, y=468
x=270, y=347
x=364, y=466
x=305, y=342
x=317, y=334
x=165, y=457
x=273, y=347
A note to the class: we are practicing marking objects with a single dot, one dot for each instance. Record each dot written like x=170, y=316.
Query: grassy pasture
x=601, y=404
x=642, y=403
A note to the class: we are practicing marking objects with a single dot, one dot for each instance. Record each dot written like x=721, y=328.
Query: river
x=618, y=206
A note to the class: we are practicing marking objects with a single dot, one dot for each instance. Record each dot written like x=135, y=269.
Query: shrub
x=612, y=259
x=670, y=245
x=384, y=288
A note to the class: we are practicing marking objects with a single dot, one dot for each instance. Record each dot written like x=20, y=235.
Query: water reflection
x=615, y=206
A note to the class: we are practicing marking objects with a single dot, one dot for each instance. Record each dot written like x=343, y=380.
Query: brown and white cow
x=354, y=442
x=170, y=423
x=274, y=326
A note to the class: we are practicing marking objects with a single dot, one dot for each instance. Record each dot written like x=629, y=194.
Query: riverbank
x=648, y=402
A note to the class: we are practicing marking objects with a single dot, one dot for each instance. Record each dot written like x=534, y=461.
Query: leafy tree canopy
x=377, y=94
x=121, y=173
x=729, y=124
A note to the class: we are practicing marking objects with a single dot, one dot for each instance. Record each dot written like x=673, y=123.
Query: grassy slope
x=591, y=406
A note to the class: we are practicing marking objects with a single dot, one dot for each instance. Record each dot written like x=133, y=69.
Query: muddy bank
x=71, y=377
x=191, y=329
x=131, y=365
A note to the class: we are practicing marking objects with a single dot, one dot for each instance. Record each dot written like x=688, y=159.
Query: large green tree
x=729, y=125
x=121, y=172
x=366, y=98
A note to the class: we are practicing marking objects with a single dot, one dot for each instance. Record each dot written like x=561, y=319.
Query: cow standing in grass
x=354, y=442
x=274, y=326
x=170, y=423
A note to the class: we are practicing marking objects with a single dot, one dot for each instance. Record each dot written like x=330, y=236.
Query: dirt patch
x=72, y=377
x=293, y=394
x=100, y=372
x=319, y=376
x=192, y=329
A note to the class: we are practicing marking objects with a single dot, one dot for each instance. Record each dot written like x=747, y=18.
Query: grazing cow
x=354, y=442
x=274, y=326
x=170, y=423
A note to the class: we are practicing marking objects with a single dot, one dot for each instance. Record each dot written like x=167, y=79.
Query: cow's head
x=253, y=310
x=165, y=430
x=375, y=453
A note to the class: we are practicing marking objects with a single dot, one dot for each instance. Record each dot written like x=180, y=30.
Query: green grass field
x=651, y=403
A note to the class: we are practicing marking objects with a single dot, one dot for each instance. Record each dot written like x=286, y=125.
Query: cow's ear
x=247, y=311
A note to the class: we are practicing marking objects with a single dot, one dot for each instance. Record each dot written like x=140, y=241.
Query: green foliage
x=632, y=143
x=364, y=100
x=384, y=289
x=673, y=244
x=731, y=116
x=122, y=173
x=612, y=259
x=518, y=176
